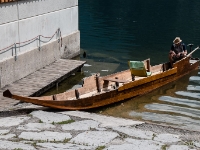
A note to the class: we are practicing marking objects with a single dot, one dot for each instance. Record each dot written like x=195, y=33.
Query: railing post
x=15, y=51
x=12, y=51
x=39, y=43
x=58, y=34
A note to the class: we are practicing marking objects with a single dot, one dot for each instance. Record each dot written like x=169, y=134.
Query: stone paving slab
x=7, y=136
x=15, y=145
x=36, y=127
x=50, y=117
x=45, y=136
x=94, y=138
x=135, y=132
x=135, y=144
x=177, y=147
x=76, y=130
x=66, y=146
x=106, y=121
x=4, y=132
x=167, y=138
x=81, y=125
x=12, y=121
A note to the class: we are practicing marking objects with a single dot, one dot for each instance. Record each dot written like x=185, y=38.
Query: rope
x=33, y=39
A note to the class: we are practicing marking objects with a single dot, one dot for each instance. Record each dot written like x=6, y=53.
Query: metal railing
x=39, y=38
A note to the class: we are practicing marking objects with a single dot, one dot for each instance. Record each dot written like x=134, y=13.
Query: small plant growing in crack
x=189, y=143
x=66, y=122
x=65, y=140
x=164, y=147
x=154, y=135
x=100, y=147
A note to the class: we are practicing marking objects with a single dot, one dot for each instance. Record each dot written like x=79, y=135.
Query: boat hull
x=126, y=91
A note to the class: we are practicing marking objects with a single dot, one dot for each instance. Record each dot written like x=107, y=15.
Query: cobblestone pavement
x=45, y=129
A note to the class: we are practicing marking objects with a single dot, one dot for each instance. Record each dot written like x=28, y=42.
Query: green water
x=113, y=32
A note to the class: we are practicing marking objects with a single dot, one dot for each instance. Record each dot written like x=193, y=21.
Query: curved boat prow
x=7, y=93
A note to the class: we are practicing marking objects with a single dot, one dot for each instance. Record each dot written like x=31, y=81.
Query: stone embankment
x=31, y=128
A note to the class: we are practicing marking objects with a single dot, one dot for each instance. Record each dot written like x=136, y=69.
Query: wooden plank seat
x=115, y=80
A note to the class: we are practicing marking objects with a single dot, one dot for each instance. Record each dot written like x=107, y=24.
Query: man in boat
x=178, y=50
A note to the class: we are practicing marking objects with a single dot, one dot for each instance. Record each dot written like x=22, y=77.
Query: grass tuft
x=66, y=122
x=100, y=148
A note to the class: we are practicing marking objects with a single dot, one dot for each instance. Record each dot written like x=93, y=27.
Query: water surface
x=113, y=32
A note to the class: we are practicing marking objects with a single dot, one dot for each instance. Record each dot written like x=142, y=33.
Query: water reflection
x=181, y=101
x=173, y=120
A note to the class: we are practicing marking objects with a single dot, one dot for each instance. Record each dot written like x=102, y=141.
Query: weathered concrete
x=87, y=133
x=55, y=21
x=26, y=19
x=29, y=62
x=37, y=8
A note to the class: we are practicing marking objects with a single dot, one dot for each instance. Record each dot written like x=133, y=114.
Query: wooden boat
x=100, y=91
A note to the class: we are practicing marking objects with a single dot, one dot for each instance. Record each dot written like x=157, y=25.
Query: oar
x=193, y=51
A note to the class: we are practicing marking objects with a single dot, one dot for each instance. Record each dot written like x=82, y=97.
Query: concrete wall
x=22, y=22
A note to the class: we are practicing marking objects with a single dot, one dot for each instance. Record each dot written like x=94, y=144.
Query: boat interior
x=96, y=84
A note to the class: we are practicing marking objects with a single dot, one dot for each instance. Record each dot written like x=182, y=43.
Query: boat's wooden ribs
x=77, y=94
x=54, y=97
x=147, y=64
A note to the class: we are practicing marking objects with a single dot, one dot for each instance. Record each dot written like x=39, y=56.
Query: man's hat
x=177, y=40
